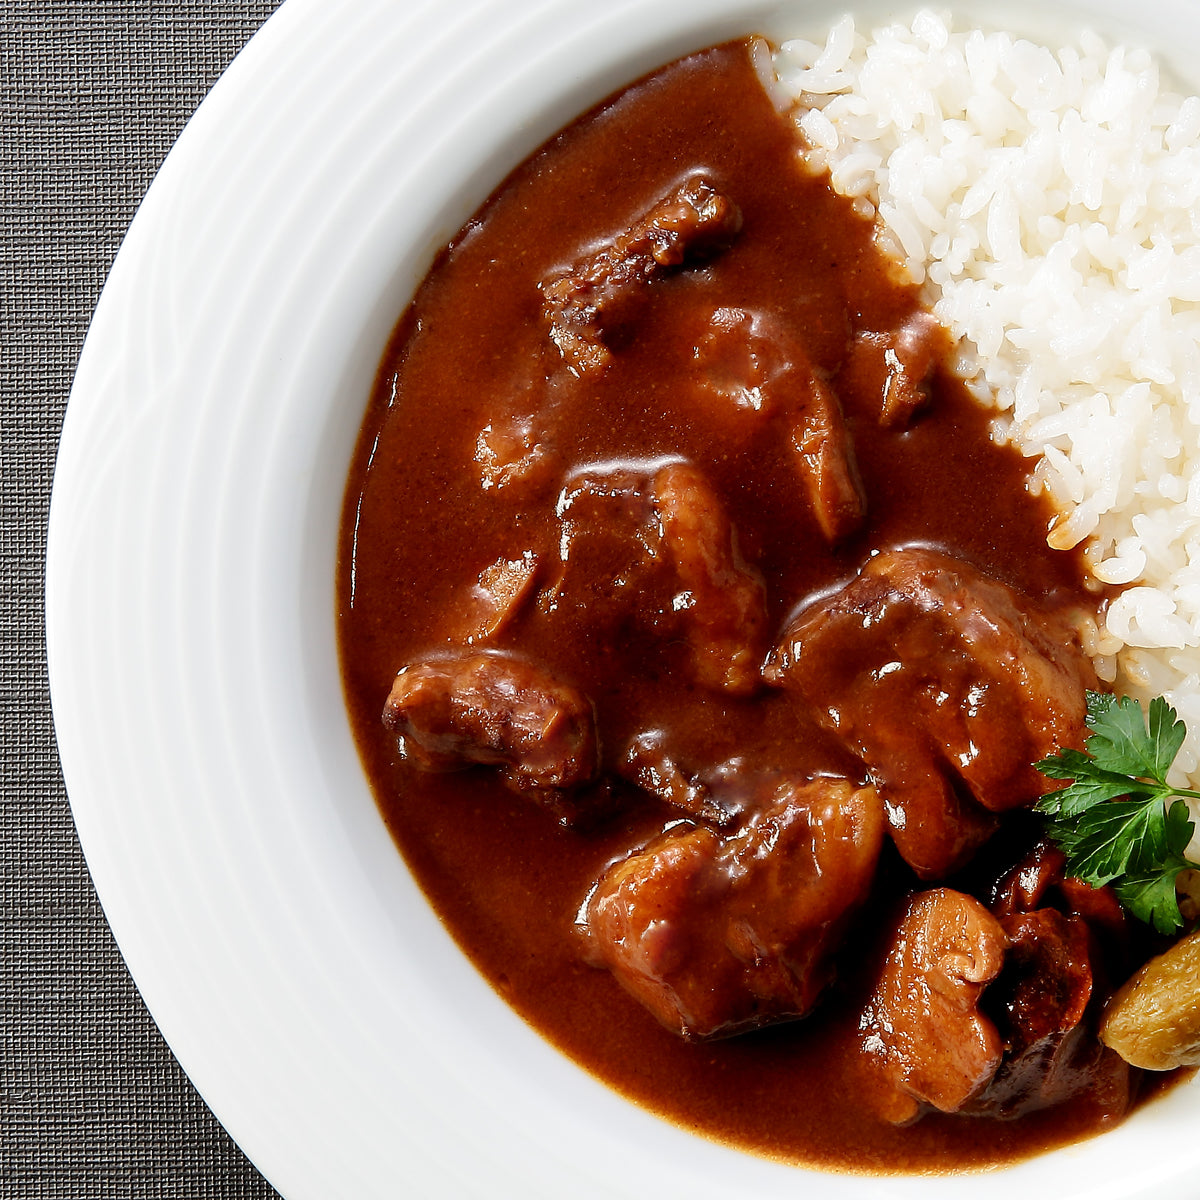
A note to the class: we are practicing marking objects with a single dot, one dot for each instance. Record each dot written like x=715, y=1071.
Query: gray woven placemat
x=92, y=95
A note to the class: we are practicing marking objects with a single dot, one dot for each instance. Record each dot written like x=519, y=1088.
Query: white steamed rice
x=1049, y=201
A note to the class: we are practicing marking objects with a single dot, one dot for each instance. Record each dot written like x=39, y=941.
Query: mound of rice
x=1049, y=200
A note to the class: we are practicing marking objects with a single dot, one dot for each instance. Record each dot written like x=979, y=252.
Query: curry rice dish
x=715, y=640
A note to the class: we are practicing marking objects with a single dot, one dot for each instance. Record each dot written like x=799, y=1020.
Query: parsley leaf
x=1151, y=897
x=1109, y=840
x=1166, y=732
x=1121, y=742
x=1118, y=820
x=1090, y=785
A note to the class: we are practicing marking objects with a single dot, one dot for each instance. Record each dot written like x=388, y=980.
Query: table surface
x=92, y=95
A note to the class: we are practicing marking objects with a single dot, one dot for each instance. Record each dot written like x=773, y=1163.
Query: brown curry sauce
x=419, y=528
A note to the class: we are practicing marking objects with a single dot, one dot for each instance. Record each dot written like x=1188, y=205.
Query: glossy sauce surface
x=428, y=513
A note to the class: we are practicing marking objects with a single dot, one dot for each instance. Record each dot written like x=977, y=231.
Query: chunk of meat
x=922, y=1030
x=503, y=589
x=897, y=366
x=509, y=450
x=1039, y=880
x=760, y=371
x=1027, y=884
x=1048, y=977
x=693, y=222
x=722, y=603
x=608, y=541
x=648, y=765
x=480, y=707
x=718, y=935
x=949, y=686
x=826, y=458
x=1154, y=1020
x=655, y=545
x=1040, y=1004
x=740, y=356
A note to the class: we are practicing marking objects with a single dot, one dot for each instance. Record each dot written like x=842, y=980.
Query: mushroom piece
x=480, y=707
x=1042, y=1003
x=1153, y=1021
x=922, y=1028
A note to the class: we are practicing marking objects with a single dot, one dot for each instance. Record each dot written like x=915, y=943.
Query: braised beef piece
x=693, y=222
x=988, y=1017
x=1029, y=882
x=739, y=358
x=715, y=935
x=717, y=793
x=654, y=545
x=897, y=365
x=948, y=684
x=491, y=709
x=758, y=371
x=825, y=454
x=922, y=1028
x=503, y=590
x=510, y=449
x=649, y=766
x=1039, y=880
x=1068, y=941
x=721, y=601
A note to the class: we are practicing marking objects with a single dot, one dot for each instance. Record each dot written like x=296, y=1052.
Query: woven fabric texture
x=92, y=95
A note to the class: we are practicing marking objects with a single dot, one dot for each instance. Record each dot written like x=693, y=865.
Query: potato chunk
x=1154, y=1020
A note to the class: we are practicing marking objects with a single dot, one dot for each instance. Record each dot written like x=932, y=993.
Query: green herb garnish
x=1118, y=820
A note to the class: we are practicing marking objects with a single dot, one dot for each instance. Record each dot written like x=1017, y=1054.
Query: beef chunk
x=722, y=603
x=718, y=935
x=897, y=365
x=922, y=1029
x=496, y=710
x=740, y=357
x=825, y=456
x=758, y=369
x=648, y=765
x=950, y=687
x=503, y=589
x=509, y=450
x=1039, y=881
x=693, y=222
x=661, y=544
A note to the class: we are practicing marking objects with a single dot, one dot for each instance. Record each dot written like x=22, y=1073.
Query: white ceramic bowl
x=275, y=933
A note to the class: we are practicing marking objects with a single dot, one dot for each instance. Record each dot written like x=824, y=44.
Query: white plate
x=272, y=928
